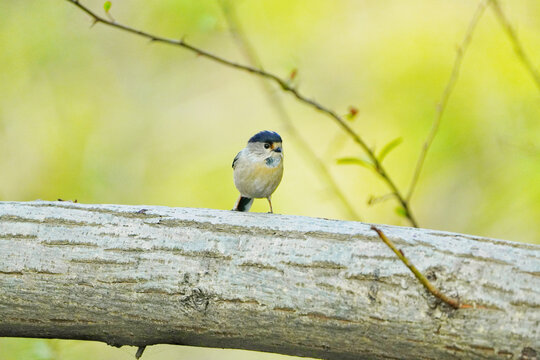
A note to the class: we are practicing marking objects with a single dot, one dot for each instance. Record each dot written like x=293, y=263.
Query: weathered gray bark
x=142, y=275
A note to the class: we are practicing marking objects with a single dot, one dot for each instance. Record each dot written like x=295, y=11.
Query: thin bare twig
x=518, y=48
x=251, y=56
x=140, y=351
x=441, y=106
x=285, y=86
x=427, y=284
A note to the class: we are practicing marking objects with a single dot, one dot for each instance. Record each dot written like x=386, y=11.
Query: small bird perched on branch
x=258, y=169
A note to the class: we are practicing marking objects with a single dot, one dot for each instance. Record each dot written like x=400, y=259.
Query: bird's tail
x=243, y=204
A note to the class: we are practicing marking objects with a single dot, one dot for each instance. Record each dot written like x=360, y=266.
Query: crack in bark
x=46, y=221
x=316, y=265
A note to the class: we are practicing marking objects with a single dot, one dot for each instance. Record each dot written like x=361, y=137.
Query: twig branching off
x=140, y=351
x=250, y=54
x=518, y=47
x=441, y=106
x=428, y=285
x=283, y=84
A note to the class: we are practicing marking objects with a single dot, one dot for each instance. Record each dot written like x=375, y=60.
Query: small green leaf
x=401, y=211
x=355, y=161
x=107, y=6
x=379, y=199
x=389, y=147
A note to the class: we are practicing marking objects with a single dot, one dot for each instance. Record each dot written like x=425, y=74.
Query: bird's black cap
x=265, y=136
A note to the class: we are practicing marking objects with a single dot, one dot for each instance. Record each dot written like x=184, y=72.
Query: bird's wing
x=235, y=159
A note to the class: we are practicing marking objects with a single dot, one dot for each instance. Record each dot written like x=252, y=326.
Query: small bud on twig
x=107, y=6
x=353, y=111
x=293, y=74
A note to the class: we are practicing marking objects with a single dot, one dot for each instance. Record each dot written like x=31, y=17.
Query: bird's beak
x=278, y=149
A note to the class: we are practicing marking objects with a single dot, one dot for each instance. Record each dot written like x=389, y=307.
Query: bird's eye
x=266, y=146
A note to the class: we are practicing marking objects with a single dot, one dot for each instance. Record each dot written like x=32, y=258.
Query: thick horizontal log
x=141, y=275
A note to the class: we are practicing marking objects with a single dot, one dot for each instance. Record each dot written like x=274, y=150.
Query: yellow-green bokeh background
x=103, y=116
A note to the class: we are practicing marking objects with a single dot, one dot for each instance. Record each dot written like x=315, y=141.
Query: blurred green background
x=102, y=116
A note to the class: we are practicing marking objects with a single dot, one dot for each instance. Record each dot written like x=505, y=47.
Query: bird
x=258, y=169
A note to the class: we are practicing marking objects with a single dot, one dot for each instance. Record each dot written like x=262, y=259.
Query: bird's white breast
x=257, y=177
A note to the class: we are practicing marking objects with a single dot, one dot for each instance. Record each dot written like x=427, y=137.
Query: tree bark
x=142, y=275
